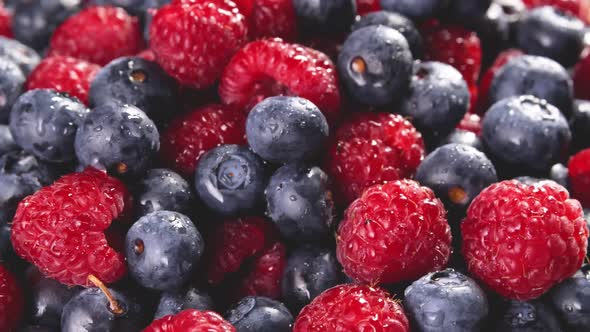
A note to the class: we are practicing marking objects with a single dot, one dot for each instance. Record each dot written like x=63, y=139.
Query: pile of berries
x=294, y=165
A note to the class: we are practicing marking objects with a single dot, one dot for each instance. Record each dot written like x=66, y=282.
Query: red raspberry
x=5, y=22
x=98, y=35
x=471, y=122
x=353, y=308
x=266, y=273
x=488, y=77
x=191, y=320
x=394, y=232
x=64, y=74
x=147, y=55
x=11, y=301
x=581, y=76
x=521, y=240
x=372, y=148
x=272, y=67
x=273, y=18
x=194, y=41
x=455, y=46
x=579, y=8
x=61, y=228
x=367, y=6
x=190, y=135
x=579, y=175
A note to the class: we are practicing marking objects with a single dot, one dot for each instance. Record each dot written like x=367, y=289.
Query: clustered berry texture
x=273, y=18
x=191, y=320
x=520, y=240
x=61, y=228
x=11, y=301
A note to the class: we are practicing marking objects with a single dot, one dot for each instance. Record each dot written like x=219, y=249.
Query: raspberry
x=581, y=76
x=353, y=308
x=193, y=41
x=394, y=232
x=148, y=55
x=273, y=67
x=487, y=78
x=367, y=6
x=64, y=74
x=456, y=46
x=191, y=320
x=190, y=135
x=264, y=278
x=372, y=148
x=273, y=18
x=579, y=175
x=5, y=22
x=578, y=8
x=521, y=240
x=61, y=228
x=471, y=122
x=11, y=301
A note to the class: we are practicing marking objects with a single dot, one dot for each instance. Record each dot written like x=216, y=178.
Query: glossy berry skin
x=463, y=137
x=191, y=320
x=198, y=58
x=162, y=189
x=417, y=10
x=537, y=76
x=175, y=302
x=12, y=81
x=25, y=57
x=89, y=311
x=310, y=271
x=350, y=307
x=163, y=249
x=394, y=232
x=579, y=8
x=521, y=240
x=525, y=133
x=579, y=176
x=44, y=122
x=230, y=180
x=300, y=203
x=287, y=129
x=134, y=136
x=137, y=82
x=93, y=201
x=428, y=105
x=571, y=300
x=580, y=125
x=517, y=316
x=260, y=314
x=375, y=65
x=488, y=77
x=446, y=300
x=98, y=35
x=11, y=300
x=7, y=143
x=468, y=9
x=548, y=32
x=398, y=22
x=325, y=16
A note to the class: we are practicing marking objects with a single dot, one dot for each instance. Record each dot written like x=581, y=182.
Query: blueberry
x=325, y=16
x=192, y=298
x=35, y=328
x=34, y=21
x=532, y=316
x=469, y=9
x=162, y=189
x=230, y=180
x=460, y=136
x=25, y=57
x=571, y=301
x=163, y=249
x=375, y=65
x=525, y=133
x=139, y=82
x=415, y=9
x=7, y=143
x=310, y=271
x=402, y=24
x=446, y=301
x=560, y=174
x=119, y=138
x=549, y=32
x=260, y=314
x=537, y=76
x=287, y=129
x=44, y=122
x=438, y=99
x=12, y=81
x=300, y=203
x=580, y=125
x=496, y=31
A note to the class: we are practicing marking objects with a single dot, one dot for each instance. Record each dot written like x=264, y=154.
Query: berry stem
x=113, y=303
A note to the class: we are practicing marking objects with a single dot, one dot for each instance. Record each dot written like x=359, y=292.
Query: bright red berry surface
x=353, y=308
x=579, y=175
x=265, y=275
x=581, y=76
x=273, y=18
x=579, y=8
x=5, y=22
x=367, y=6
x=471, y=122
x=191, y=320
x=61, y=228
x=489, y=75
x=521, y=240
x=11, y=301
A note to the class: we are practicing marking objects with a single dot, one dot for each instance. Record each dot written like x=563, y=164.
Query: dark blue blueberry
x=468, y=10
x=134, y=7
x=525, y=133
x=375, y=65
x=12, y=80
x=446, y=301
x=230, y=180
x=44, y=122
x=260, y=314
x=139, y=82
x=549, y=32
x=460, y=136
x=437, y=101
x=163, y=249
x=580, y=125
x=415, y=9
x=300, y=203
x=34, y=21
x=287, y=129
x=25, y=57
x=309, y=272
x=119, y=138
x=532, y=316
x=192, y=298
x=162, y=189
x=537, y=76
x=7, y=143
x=325, y=16
x=404, y=25
x=560, y=174
x=571, y=301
